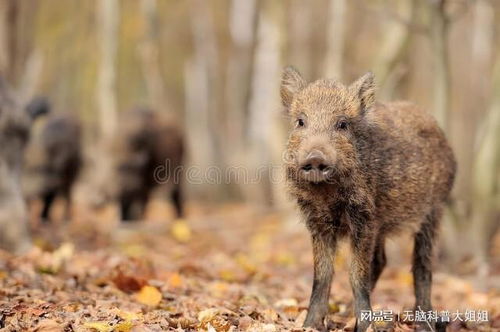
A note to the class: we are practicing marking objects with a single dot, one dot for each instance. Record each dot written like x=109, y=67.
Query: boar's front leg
x=323, y=251
x=363, y=245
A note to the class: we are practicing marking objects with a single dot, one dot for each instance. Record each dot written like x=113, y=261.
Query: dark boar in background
x=53, y=159
x=146, y=152
x=364, y=170
x=15, y=124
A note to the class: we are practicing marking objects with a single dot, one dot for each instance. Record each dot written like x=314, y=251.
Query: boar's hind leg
x=422, y=261
x=379, y=261
x=323, y=252
x=363, y=246
x=68, y=200
x=176, y=196
x=48, y=200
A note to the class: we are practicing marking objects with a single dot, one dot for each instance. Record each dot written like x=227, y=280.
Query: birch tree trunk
x=439, y=35
x=108, y=16
x=301, y=48
x=478, y=98
x=333, y=63
x=486, y=170
x=203, y=100
x=8, y=40
x=394, y=48
x=266, y=133
x=149, y=53
x=242, y=26
x=14, y=233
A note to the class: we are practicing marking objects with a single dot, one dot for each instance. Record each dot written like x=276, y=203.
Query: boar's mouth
x=316, y=175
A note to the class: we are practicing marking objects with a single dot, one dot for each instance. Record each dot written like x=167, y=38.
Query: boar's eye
x=342, y=124
x=300, y=123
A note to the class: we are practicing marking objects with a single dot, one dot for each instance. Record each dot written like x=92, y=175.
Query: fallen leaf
x=98, y=326
x=125, y=326
x=128, y=284
x=227, y=275
x=207, y=315
x=181, y=231
x=284, y=303
x=175, y=280
x=211, y=320
x=48, y=325
x=149, y=295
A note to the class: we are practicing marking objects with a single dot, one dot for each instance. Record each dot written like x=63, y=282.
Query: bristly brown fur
x=148, y=142
x=393, y=170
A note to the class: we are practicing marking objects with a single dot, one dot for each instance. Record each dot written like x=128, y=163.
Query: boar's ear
x=364, y=89
x=38, y=106
x=291, y=83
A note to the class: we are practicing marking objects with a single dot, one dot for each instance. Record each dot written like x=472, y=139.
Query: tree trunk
x=150, y=57
x=266, y=133
x=108, y=12
x=203, y=117
x=301, y=37
x=439, y=32
x=486, y=169
x=242, y=26
x=333, y=63
x=8, y=38
x=394, y=47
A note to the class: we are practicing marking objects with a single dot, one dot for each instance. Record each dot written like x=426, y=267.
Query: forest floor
x=225, y=269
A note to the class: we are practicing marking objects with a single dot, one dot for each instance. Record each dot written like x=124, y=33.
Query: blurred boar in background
x=147, y=151
x=364, y=170
x=15, y=124
x=53, y=159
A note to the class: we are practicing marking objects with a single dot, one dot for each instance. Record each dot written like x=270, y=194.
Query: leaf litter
x=231, y=270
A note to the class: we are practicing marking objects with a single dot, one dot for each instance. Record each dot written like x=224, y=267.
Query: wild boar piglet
x=363, y=170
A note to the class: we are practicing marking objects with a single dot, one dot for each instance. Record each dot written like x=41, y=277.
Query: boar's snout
x=316, y=166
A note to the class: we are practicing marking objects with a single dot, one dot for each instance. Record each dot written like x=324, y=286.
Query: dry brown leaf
x=128, y=284
x=48, y=325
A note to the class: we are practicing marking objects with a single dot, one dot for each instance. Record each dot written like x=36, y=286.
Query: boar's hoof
x=317, y=324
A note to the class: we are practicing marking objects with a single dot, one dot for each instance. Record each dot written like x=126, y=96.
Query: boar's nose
x=315, y=160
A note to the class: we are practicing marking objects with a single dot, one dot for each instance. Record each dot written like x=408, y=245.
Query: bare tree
x=108, y=16
x=333, y=62
x=8, y=37
x=242, y=26
x=265, y=125
x=300, y=36
x=439, y=36
x=202, y=94
x=149, y=53
x=486, y=170
x=397, y=38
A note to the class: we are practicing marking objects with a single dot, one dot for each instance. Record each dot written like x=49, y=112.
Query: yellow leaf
x=285, y=259
x=227, y=275
x=181, y=231
x=99, y=326
x=334, y=307
x=125, y=326
x=149, y=295
x=207, y=315
x=175, y=280
x=405, y=278
x=130, y=316
x=245, y=263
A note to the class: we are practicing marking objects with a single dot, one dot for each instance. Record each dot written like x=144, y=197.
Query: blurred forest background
x=216, y=66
